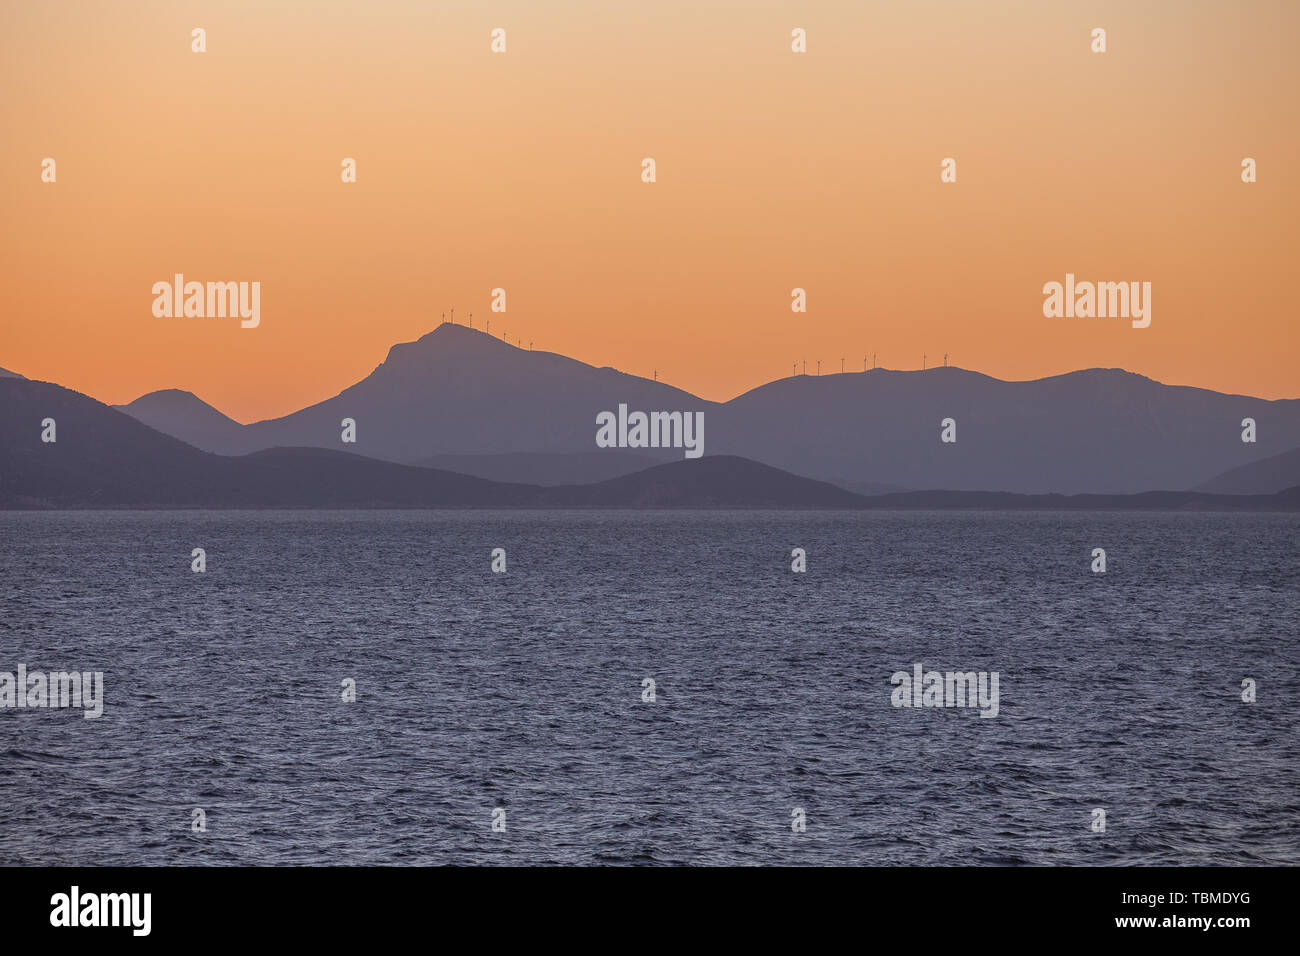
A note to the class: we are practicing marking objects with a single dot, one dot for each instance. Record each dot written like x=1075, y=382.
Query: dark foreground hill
x=540, y=468
x=1288, y=500
x=715, y=481
x=104, y=458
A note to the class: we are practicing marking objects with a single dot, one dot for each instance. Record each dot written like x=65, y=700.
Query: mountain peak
x=160, y=395
x=449, y=341
x=170, y=400
x=174, y=411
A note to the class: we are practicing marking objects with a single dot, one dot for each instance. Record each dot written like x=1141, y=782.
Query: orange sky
x=522, y=170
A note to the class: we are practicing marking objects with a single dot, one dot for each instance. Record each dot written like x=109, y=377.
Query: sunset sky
x=523, y=170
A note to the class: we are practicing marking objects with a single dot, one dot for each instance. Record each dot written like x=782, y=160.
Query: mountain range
x=101, y=457
x=460, y=419
x=459, y=398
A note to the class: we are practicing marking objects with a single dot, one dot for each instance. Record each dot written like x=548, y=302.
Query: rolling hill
x=1264, y=477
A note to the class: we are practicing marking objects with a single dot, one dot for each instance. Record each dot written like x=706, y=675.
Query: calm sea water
x=523, y=691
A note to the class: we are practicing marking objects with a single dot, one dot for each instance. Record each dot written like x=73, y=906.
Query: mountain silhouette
x=714, y=481
x=184, y=415
x=1263, y=477
x=461, y=392
x=1286, y=500
x=1103, y=431
x=540, y=468
x=104, y=458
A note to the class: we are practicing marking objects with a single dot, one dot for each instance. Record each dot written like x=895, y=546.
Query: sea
x=651, y=687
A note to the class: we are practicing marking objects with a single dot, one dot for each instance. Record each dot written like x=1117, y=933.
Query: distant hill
x=1264, y=477
x=5, y=373
x=540, y=468
x=1102, y=431
x=714, y=481
x=866, y=488
x=506, y=412
x=184, y=415
x=1288, y=500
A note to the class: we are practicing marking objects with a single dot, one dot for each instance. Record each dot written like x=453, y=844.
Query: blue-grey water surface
x=523, y=691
